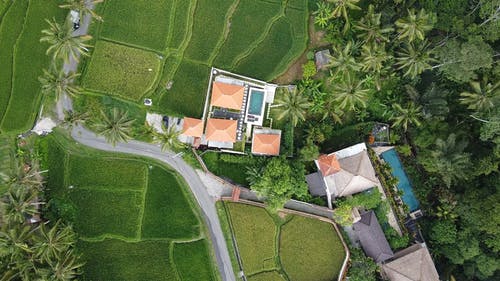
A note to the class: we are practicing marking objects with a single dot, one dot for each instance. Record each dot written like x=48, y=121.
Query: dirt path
x=294, y=71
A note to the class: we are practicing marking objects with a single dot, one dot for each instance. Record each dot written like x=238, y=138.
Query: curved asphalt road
x=206, y=203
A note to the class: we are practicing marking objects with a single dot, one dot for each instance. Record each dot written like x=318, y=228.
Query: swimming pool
x=391, y=157
x=256, y=102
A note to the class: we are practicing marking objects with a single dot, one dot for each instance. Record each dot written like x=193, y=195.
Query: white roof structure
x=351, y=171
x=44, y=126
x=411, y=264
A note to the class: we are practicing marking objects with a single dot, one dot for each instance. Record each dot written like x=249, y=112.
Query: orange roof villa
x=266, y=142
x=220, y=130
x=227, y=95
x=192, y=127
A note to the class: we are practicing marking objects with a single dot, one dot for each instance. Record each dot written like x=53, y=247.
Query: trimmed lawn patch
x=248, y=23
x=310, y=250
x=11, y=27
x=138, y=22
x=262, y=63
x=267, y=276
x=189, y=89
x=104, y=212
x=208, y=26
x=29, y=60
x=229, y=167
x=108, y=173
x=167, y=212
x=192, y=261
x=121, y=71
x=118, y=260
x=256, y=237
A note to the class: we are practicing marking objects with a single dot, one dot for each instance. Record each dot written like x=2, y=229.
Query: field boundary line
x=130, y=45
x=106, y=236
x=142, y=211
x=14, y=53
x=260, y=39
x=106, y=189
x=5, y=10
x=225, y=32
x=171, y=21
x=235, y=243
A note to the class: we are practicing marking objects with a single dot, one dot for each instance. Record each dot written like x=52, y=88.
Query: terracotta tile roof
x=328, y=164
x=221, y=130
x=266, y=144
x=192, y=127
x=227, y=95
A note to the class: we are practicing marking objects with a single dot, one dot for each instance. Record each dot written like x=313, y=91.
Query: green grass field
x=255, y=233
x=134, y=217
x=121, y=71
x=257, y=38
x=310, y=247
x=139, y=23
x=28, y=59
x=293, y=248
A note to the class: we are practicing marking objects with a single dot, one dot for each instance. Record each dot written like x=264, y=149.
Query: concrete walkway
x=199, y=190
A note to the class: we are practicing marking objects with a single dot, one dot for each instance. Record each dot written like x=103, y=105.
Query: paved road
x=198, y=189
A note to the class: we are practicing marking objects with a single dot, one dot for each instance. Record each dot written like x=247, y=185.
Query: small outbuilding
x=372, y=238
x=322, y=59
x=411, y=264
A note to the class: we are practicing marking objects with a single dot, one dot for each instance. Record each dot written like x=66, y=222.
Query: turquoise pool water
x=256, y=102
x=404, y=184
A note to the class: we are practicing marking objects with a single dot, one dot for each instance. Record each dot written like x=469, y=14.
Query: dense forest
x=430, y=69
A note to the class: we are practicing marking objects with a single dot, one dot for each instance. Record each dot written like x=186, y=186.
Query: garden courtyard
x=281, y=247
x=135, y=218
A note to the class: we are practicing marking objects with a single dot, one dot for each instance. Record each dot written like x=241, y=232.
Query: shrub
x=309, y=69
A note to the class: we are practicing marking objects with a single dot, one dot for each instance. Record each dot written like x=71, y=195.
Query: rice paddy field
x=134, y=217
x=281, y=247
x=165, y=49
x=22, y=59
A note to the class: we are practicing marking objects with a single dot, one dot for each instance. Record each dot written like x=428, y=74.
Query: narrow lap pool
x=256, y=102
x=391, y=157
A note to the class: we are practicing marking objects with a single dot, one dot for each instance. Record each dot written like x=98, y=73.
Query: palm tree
x=414, y=59
x=292, y=104
x=84, y=7
x=73, y=118
x=350, y=93
x=115, y=126
x=483, y=97
x=55, y=81
x=66, y=267
x=18, y=204
x=405, y=117
x=14, y=243
x=323, y=14
x=342, y=60
x=51, y=243
x=341, y=8
x=369, y=27
x=449, y=160
x=414, y=26
x=62, y=42
x=169, y=139
x=24, y=175
x=373, y=57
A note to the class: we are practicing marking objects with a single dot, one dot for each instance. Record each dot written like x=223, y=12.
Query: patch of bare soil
x=295, y=71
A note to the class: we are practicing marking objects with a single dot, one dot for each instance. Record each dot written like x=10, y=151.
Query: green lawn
x=191, y=261
x=138, y=22
x=255, y=233
x=114, y=259
x=11, y=27
x=130, y=214
x=29, y=60
x=308, y=248
x=256, y=38
x=164, y=196
x=121, y=71
x=230, y=167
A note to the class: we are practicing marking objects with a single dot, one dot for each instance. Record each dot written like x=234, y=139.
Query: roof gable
x=328, y=164
x=192, y=127
x=416, y=265
x=266, y=144
x=372, y=237
x=227, y=95
x=221, y=130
